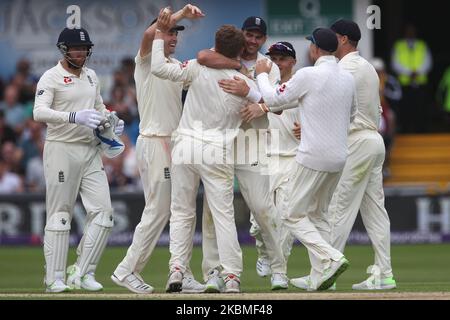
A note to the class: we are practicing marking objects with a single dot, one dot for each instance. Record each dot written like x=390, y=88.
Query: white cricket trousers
x=254, y=187
x=282, y=168
x=69, y=169
x=360, y=188
x=154, y=162
x=307, y=219
x=218, y=184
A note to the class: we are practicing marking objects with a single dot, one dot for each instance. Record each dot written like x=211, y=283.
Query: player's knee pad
x=58, y=221
x=104, y=219
x=56, y=246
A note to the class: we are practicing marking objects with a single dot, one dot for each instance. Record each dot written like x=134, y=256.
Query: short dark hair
x=229, y=41
x=353, y=43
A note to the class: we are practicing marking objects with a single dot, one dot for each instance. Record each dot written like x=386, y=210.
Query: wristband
x=263, y=107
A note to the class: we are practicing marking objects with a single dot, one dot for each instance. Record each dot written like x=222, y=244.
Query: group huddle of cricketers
x=304, y=148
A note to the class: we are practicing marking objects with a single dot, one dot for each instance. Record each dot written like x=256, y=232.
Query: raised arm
x=283, y=96
x=189, y=12
x=215, y=60
x=159, y=67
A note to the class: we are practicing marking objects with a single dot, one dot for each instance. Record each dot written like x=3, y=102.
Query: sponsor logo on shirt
x=67, y=80
x=90, y=80
x=40, y=92
x=184, y=64
x=281, y=88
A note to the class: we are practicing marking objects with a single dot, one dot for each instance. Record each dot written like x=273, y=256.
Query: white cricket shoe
x=279, y=281
x=305, y=283
x=263, y=267
x=86, y=282
x=175, y=282
x=215, y=283
x=372, y=284
x=57, y=286
x=332, y=273
x=232, y=283
x=190, y=285
x=133, y=283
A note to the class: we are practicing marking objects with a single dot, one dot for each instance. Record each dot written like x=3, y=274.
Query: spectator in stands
x=117, y=179
x=12, y=156
x=25, y=81
x=412, y=61
x=32, y=142
x=34, y=177
x=130, y=168
x=390, y=95
x=2, y=88
x=14, y=111
x=6, y=132
x=10, y=182
x=443, y=95
x=127, y=68
x=123, y=101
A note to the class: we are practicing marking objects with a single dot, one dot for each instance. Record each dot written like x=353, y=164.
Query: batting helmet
x=74, y=37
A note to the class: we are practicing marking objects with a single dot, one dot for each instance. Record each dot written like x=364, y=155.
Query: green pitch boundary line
x=240, y=296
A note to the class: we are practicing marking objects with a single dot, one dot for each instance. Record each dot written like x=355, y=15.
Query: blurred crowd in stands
x=406, y=109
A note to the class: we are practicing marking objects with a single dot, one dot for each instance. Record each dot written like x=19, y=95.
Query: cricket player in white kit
x=203, y=150
x=252, y=176
x=282, y=150
x=360, y=187
x=68, y=100
x=325, y=96
x=160, y=109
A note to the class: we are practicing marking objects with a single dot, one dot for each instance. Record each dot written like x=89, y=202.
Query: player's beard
x=74, y=64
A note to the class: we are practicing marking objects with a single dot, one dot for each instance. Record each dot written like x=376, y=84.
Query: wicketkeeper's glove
x=107, y=133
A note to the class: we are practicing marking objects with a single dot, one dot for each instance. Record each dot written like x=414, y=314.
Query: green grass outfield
x=417, y=268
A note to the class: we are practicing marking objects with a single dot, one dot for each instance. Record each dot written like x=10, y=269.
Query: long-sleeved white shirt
x=210, y=114
x=367, y=85
x=274, y=78
x=159, y=100
x=326, y=98
x=282, y=139
x=59, y=93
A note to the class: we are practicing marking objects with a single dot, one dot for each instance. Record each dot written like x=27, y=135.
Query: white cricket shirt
x=284, y=143
x=367, y=84
x=159, y=100
x=210, y=114
x=325, y=94
x=60, y=92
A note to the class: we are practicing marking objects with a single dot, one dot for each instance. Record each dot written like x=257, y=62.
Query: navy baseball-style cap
x=255, y=23
x=347, y=28
x=324, y=38
x=176, y=28
x=283, y=47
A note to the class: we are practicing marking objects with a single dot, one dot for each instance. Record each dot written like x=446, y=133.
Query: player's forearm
x=274, y=102
x=215, y=60
x=147, y=40
x=47, y=115
x=177, y=16
x=159, y=67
